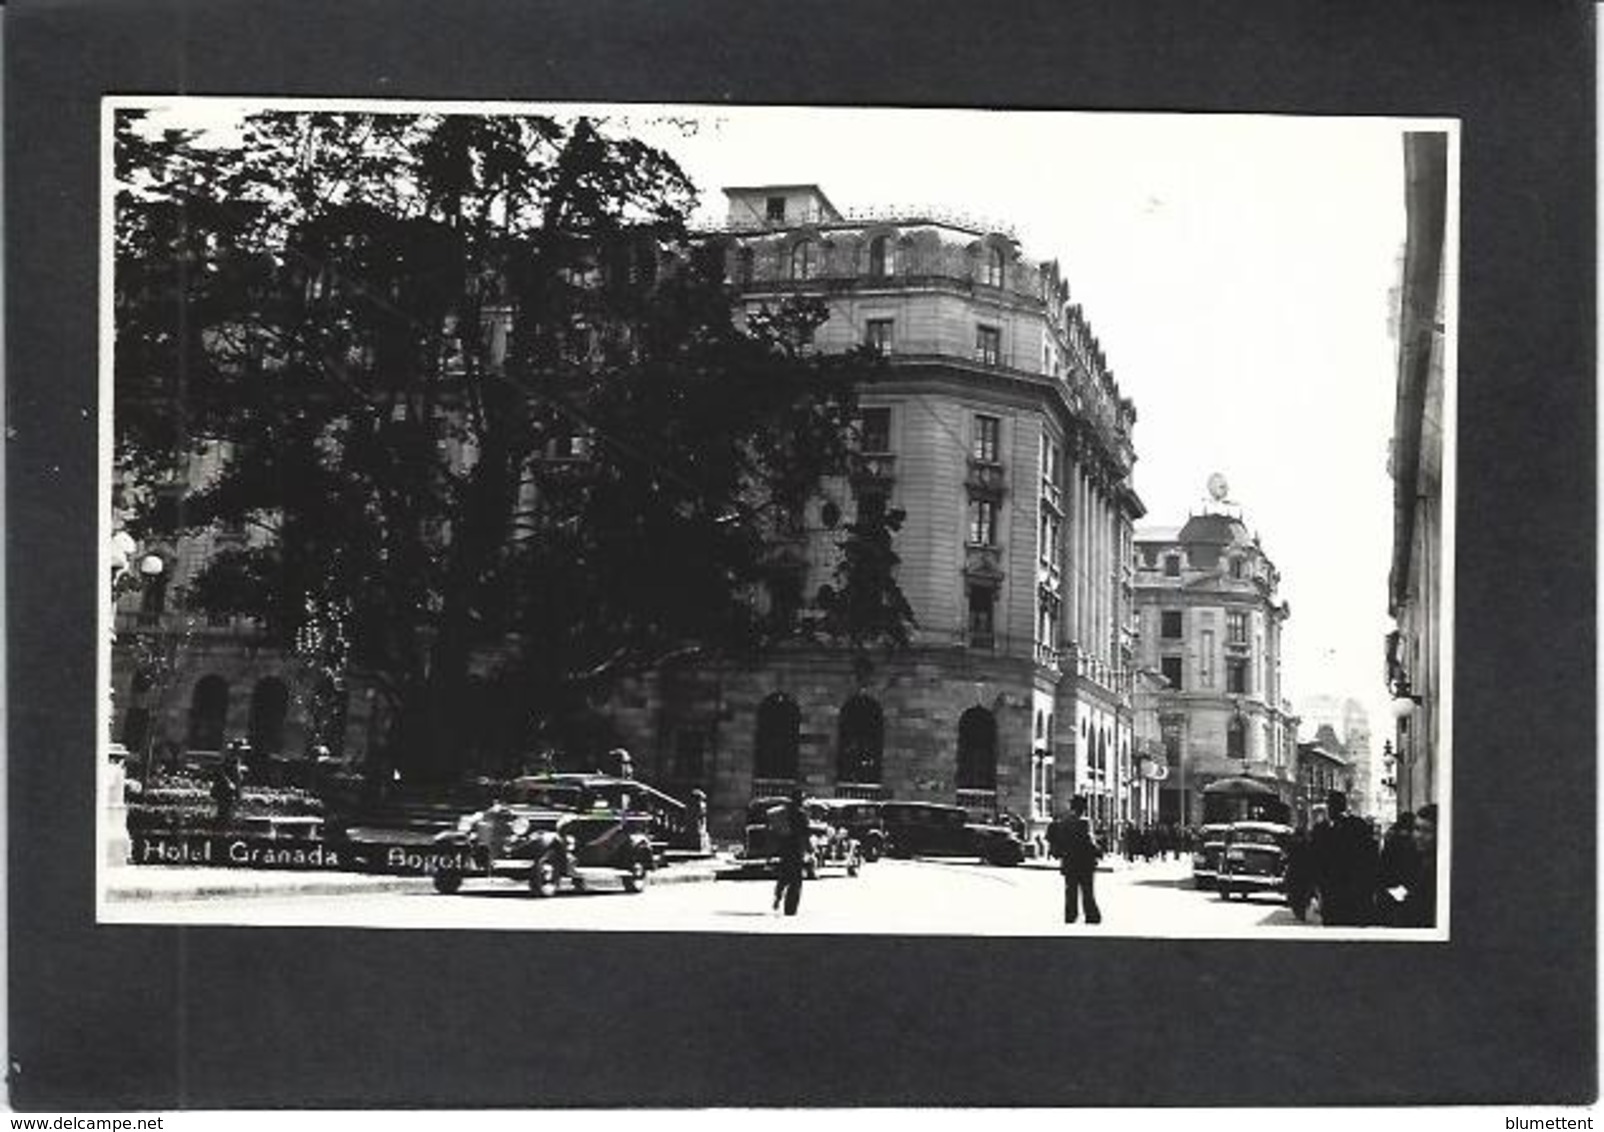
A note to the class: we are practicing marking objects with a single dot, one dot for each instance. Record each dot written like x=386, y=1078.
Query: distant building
x=1350, y=723
x=1323, y=768
x=1415, y=661
x=1211, y=617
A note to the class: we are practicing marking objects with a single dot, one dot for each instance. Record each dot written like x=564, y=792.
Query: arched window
x=779, y=725
x=208, y=714
x=1236, y=739
x=270, y=700
x=882, y=259
x=861, y=741
x=977, y=750
x=804, y=260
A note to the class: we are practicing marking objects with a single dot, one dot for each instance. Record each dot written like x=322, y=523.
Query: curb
x=129, y=890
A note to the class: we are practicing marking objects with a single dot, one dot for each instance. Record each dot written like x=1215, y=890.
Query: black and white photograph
x=776, y=519
x=812, y=564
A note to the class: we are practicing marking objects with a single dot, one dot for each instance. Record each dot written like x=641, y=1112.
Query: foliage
x=477, y=406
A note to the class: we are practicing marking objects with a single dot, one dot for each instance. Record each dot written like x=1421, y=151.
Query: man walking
x=793, y=849
x=1070, y=840
x=1345, y=853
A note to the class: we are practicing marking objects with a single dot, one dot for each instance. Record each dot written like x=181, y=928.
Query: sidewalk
x=133, y=883
x=1110, y=863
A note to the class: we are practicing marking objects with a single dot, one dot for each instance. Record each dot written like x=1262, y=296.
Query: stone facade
x=1418, y=660
x=998, y=429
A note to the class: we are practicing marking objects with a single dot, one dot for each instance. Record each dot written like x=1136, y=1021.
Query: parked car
x=1254, y=858
x=761, y=844
x=664, y=819
x=930, y=829
x=545, y=847
x=861, y=820
x=1206, y=859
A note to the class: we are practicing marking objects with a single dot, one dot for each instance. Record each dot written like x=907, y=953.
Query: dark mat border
x=116, y=1017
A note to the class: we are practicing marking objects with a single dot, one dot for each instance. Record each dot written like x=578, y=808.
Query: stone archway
x=977, y=750
x=208, y=714
x=861, y=741
x=779, y=727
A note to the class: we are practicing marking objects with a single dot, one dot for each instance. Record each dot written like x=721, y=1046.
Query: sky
x=1238, y=270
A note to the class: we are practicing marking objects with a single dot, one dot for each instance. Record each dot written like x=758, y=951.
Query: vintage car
x=546, y=848
x=761, y=848
x=1254, y=858
x=930, y=829
x=1206, y=859
x=860, y=820
x=667, y=821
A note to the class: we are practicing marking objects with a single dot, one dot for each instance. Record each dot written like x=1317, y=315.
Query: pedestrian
x=225, y=791
x=1420, y=904
x=794, y=840
x=1345, y=855
x=1398, y=874
x=1070, y=840
x=1300, y=874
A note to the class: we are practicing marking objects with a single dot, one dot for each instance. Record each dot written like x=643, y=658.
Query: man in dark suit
x=1070, y=840
x=794, y=844
x=1345, y=855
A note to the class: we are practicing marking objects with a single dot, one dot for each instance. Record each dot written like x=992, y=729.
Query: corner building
x=997, y=427
x=1211, y=620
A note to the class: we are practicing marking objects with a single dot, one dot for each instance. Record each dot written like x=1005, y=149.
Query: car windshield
x=1254, y=837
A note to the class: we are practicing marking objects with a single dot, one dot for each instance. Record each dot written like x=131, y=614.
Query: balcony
x=983, y=562
x=773, y=787
x=872, y=469
x=1049, y=657
x=985, y=479
x=981, y=804
x=1052, y=495
x=860, y=791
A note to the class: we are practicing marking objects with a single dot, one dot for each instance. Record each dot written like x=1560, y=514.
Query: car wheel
x=447, y=881
x=871, y=852
x=810, y=868
x=544, y=878
x=635, y=879
x=853, y=864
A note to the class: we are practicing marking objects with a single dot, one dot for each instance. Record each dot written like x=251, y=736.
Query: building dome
x=1213, y=529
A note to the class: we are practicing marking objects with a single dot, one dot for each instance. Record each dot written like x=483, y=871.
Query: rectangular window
x=1170, y=624
x=876, y=430
x=987, y=432
x=988, y=345
x=982, y=522
x=776, y=208
x=1236, y=677
x=1236, y=627
x=1236, y=567
x=1206, y=645
x=877, y=335
x=982, y=612
x=1170, y=666
x=1172, y=565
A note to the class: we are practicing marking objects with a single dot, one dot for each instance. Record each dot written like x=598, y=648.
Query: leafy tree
x=476, y=402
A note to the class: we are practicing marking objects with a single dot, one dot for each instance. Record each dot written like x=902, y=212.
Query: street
x=919, y=897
